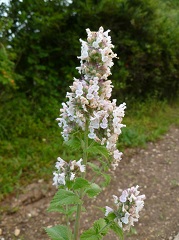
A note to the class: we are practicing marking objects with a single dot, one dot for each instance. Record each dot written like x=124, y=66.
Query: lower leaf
x=90, y=234
x=59, y=232
x=117, y=230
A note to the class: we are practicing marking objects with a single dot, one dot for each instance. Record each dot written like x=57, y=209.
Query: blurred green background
x=39, y=45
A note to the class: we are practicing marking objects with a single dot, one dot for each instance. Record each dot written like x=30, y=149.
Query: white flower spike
x=89, y=99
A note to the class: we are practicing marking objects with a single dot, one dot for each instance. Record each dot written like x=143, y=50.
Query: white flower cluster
x=89, y=100
x=66, y=171
x=129, y=204
x=96, y=55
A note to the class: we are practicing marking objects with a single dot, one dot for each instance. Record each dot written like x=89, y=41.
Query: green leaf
x=56, y=209
x=111, y=216
x=117, y=230
x=64, y=197
x=90, y=234
x=80, y=183
x=69, y=184
x=71, y=210
x=101, y=226
x=98, y=149
x=74, y=143
x=59, y=232
x=93, y=190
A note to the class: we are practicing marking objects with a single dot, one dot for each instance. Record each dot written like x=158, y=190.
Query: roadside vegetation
x=30, y=152
x=39, y=42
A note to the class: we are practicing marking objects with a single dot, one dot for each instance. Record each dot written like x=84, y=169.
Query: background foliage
x=43, y=37
x=39, y=45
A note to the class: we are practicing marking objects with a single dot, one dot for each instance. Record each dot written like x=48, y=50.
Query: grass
x=148, y=122
x=29, y=152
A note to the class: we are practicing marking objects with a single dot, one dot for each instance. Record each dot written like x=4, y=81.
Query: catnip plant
x=91, y=124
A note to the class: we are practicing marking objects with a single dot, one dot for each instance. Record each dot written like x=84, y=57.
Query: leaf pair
x=67, y=197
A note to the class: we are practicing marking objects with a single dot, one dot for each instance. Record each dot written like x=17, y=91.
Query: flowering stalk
x=85, y=159
x=89, y=99
x=92, y=123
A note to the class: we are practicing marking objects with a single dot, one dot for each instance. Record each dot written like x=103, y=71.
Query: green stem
x=85, y=158
x=77, y=222
x=67, y=217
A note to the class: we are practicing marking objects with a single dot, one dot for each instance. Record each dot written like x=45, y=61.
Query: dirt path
x=155, y=169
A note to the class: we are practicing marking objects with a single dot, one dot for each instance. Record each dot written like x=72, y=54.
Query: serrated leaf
x=64, y=197
x=74, y=143
x=90, y=234
x=56, y=209
x=98, y=149
x=93, y=190
x=117, y=230
x=80, y=183
x=101, y=227
x=71, y=210
x=69, y=184
x=59, y=232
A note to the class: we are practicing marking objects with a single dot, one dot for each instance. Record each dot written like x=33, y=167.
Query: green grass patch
x=31, y=140
x=147, y=122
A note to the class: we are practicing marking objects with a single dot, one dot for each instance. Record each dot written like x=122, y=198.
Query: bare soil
x=155, y=169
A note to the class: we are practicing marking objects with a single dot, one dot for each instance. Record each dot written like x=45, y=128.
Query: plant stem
x=85, y=158
x=67, y=217
x=77, y=222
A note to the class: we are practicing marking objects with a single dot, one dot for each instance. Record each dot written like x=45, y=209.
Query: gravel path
x=155, y=169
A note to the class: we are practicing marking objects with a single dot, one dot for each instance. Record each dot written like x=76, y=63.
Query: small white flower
x=72, y=176
x=108, y=210
x=61, y=178
x=95, y=44
x=55, y=179
x=104, y=123
x=58, y=179
x=89, y=96
x=132, y=198
x=72, y=165
x=125, y=219
x=94, y=122
x=82, y=167
x=79, y=90
x=123, y=197
x=117, y=154
x=92, y=135
x=60, y=163
x=84, y=49
x=116, y=200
